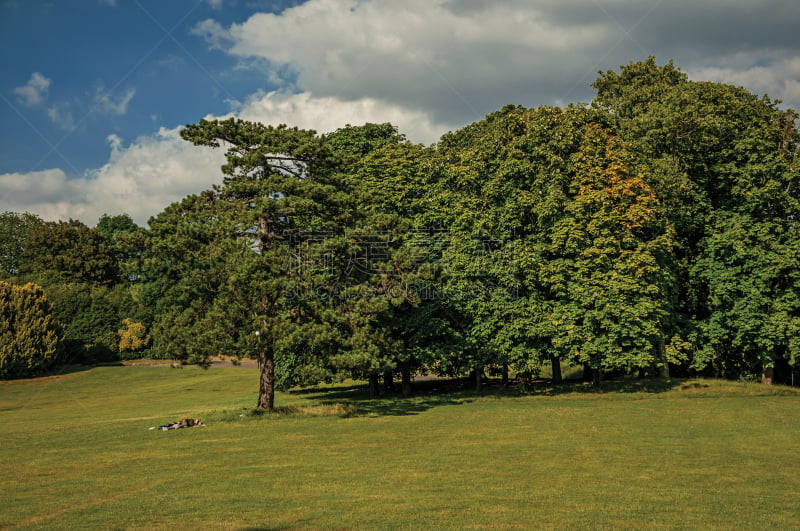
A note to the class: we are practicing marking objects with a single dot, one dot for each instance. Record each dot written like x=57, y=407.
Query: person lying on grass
x=185, y=423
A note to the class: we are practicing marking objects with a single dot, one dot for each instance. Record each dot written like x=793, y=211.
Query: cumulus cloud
x=145, y=176
x=140, y=179
x=427, y=66
x=780, y=79
x=47, y=193
x=217, y=37
x=455, y=61
x=458, y=60
x=328, y=113
x=34, y=92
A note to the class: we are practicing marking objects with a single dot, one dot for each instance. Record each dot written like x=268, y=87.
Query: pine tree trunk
x=767, y=373
x=556, y=363
x=266, y=356
x=266, y=388
x=406, y=376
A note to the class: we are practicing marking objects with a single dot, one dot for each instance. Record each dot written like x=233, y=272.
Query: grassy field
x=76, y=452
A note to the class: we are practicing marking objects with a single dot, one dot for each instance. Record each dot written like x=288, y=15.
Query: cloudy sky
x=93, y=92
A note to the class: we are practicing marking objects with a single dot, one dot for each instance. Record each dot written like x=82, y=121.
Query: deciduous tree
x=604, y=262
x=15, y=228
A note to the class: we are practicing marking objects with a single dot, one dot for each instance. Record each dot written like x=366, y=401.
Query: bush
x=30, y=340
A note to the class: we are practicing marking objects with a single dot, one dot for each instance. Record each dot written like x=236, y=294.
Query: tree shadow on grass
x=430, y=393
x=426, y=394
x=609, y=386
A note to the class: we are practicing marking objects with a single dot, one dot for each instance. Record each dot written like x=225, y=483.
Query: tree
x=90, y=316
x=723, y=162
x=181, y=272
x=397, y=322
x=29, y=337
x=133, y=337
x=110, y=226
x=68, y=251
x=749, y=268
x=76, y=267
x=15, y=229
x=119, y=232
x=279, y=187
x=604, y=262
x=501, y=185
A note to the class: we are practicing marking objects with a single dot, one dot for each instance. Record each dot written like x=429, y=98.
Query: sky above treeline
x=93, y=93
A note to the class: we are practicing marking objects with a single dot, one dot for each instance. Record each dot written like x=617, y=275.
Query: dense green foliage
x=15, y=228
x=79, y=270
x=649, y=232
x=29, y=337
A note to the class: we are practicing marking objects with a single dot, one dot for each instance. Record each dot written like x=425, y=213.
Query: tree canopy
x=650, y=231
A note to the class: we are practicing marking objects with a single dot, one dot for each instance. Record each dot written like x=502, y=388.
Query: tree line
x=648, y=232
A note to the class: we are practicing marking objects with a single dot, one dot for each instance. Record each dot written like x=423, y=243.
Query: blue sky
x=121, y=67
x=93, y=92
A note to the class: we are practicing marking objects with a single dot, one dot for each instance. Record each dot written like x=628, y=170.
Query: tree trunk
x=767, y=374
x=266, y=388
x=479, y=378
x=556, y=363
x=505, y=375
x=587, y=373
x=662, y=350
x=373, y=385
x=406, y=376
x=596, y=375
x=388, y=382
x=525, y=381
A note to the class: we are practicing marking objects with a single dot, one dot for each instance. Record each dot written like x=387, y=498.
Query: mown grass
x=76, y=452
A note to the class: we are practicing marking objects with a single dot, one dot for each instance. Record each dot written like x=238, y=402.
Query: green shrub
x=29, y=338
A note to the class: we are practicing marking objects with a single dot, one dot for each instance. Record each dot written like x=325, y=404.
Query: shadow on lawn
x=430, y=393
x=427, y=394
x=624, y=385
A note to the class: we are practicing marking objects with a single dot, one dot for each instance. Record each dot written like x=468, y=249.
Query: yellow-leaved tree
x=29, y=337
x=133, y=337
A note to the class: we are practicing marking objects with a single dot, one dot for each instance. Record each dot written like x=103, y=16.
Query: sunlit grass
x=77, y=452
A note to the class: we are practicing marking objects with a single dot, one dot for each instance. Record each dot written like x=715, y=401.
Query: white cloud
x=145, y=176
x=457, y=60
x=140, y=179
x=60, y=114
x=454, y=60
x=47, y=193
x=213, y=33
x=426, y=66
x=215, y=4
x=328, y=113
x=779, y=78
x=34, y=92
x=104, y=104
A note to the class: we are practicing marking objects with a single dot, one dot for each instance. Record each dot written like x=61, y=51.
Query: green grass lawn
x=76, y=452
